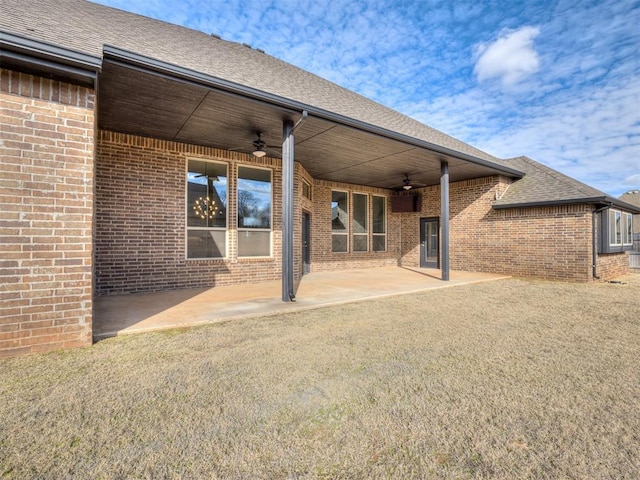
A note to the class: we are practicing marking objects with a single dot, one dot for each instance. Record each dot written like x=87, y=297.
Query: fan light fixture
x=259, y=145
x=407, y=183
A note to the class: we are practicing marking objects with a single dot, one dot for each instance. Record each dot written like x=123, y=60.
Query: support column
x=288, y=294
x=444, y=205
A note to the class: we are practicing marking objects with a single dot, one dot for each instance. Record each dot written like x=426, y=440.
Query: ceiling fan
x=408, y=184
x=261, y=148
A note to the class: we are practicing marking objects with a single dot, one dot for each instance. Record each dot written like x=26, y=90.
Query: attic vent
x=215, y=35
x=260, y=50
x=247, y=45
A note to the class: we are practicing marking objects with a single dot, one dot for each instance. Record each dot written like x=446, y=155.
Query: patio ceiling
x=147, y=103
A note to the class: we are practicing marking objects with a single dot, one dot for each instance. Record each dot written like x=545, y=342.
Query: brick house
x=141, y=156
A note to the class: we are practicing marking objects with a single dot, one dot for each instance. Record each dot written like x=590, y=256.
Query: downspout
x=594, y=241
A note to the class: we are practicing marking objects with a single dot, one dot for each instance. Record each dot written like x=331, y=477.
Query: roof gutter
x=41, y=58
x=604, y=201
x=128, y=58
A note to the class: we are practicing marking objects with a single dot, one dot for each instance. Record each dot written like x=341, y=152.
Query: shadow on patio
x=141, y=312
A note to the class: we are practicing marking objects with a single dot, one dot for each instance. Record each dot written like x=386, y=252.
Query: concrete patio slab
x=142, y=312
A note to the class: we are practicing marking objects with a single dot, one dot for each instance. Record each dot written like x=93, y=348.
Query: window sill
x=207, y=259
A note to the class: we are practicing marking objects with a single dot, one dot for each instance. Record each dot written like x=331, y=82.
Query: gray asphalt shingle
x=632, y=197
x=86, y=27
x=542, y=184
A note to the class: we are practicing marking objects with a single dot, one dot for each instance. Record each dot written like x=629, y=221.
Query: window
x=360, y=225
x=206, y=209
x=615, y=227
x=306, y=190
x=339, y=222
x=615, y=231
x=379, y=224
x=628, y=230
x=254, y=212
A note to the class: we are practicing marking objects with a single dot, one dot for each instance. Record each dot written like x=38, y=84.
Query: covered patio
x=334, y=135
x=144, y=312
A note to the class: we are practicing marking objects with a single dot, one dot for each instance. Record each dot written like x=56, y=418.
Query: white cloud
x=510, y=58
x=633, y=180
x=591, y=135
x=568, y=73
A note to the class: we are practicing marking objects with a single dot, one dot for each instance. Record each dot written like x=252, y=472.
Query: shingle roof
x=632, y=197
x=544, y=186
x=86, y=27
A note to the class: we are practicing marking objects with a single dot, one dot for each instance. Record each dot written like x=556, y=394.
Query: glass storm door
x=429, y=244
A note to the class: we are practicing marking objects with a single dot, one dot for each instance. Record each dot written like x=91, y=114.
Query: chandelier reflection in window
x=204, y=207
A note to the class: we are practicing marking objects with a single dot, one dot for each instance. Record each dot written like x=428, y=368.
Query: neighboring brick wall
x=612, y=265
x=46, y=205
x=140, y=218
x=322, y=258
x=543, y=242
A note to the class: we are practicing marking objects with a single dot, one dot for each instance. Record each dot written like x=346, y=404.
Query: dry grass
x=509, y=379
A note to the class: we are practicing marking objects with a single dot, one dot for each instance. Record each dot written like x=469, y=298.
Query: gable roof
x=542, y=186
x=86, y=28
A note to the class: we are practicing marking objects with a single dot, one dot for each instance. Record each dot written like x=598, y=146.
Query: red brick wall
x=322, y=258
x=140, y=218
x=140, y=242
x=546, y=242
x=305, y=206
x=140, y=224
x=612, y=265
x=542, y=242
x=46, y=205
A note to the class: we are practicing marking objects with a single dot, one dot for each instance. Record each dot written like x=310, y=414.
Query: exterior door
x=429, y=243
x=306, y=243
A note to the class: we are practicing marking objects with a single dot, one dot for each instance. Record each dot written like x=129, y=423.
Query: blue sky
x=557, y=81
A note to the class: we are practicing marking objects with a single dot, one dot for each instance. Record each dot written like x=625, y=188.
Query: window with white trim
x=360, y=222
x=206, y=209
x=379, y=223
x=339, y=221
x=628, y=231
x=254, y=211
x=615, y=231
x=615, y=227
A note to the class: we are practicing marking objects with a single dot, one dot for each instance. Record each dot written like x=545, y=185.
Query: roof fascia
x=176, y=71
x=45, y=58
x=630, y=207
x=603, y=201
